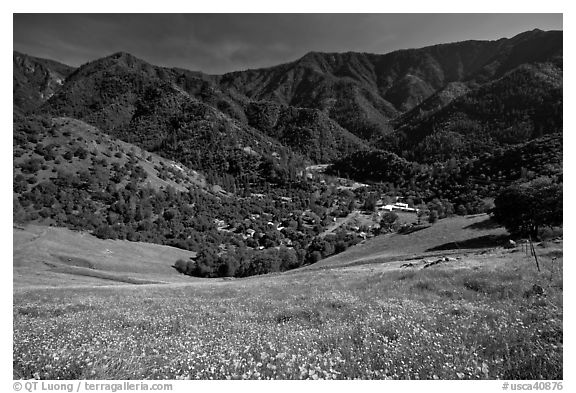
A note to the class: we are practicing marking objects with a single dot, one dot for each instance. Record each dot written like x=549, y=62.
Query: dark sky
x=218, y=43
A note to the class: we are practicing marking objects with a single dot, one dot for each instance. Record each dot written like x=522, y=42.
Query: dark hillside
x=362, y=92
x=35, y=80
x=524, y=104
x=309, y=132
x=134, y=101
x=184, y=116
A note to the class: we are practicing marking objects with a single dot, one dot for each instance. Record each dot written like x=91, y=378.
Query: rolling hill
x=68, y=173
x=448, y=236
x=59, y=257
x=69, y=145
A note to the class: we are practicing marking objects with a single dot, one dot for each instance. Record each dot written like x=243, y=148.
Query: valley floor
x=488, y=314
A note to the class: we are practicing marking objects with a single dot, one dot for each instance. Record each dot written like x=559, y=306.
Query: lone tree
x=370, y=202
x=422, y=211
x=525, y=208
x=389, y=222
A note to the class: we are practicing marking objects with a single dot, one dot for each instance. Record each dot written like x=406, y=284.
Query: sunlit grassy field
x=477, y=318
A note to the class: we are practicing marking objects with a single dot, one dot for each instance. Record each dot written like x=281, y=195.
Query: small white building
x=400, y=207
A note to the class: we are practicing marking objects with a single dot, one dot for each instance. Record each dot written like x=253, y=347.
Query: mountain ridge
x=378, y=87
x=359, y=97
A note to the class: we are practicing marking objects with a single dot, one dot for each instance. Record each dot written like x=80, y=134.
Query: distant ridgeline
x=218, y=164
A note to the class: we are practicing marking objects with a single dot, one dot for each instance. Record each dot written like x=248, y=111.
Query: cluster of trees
x=112, y=200
x=111, y=196
x=114, y=204
x=331, y=244
x=525, y=208
x=465, y=183
x=242, y=262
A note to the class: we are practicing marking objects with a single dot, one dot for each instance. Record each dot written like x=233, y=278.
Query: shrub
x=288, y=259
x=81, y=153
x=31, y=165
x=183, y=266
x=313, y=257
x=476, y=285
x=461, y=210
x=201, y=269
x=549, y=233
x=424, y=285
x=228, y=265
x=106, y=232
x=263, y=262
x=339, y=247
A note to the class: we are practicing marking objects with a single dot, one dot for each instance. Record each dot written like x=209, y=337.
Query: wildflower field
x=484, y=317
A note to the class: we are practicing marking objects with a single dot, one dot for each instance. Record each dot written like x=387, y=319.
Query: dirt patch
x=74, y=261
x=79, y=271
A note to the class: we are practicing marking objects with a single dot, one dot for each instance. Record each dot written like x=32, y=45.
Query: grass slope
x=478, y=318
x=467, y=232
x=50, y=256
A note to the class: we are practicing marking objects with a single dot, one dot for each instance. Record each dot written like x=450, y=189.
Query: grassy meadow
x=487, y=315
